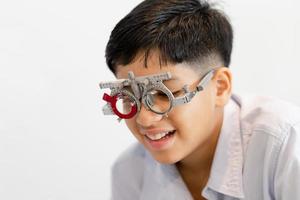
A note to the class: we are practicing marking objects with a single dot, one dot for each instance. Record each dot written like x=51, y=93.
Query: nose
x=146, y=117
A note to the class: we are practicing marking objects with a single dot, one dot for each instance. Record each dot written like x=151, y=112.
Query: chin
x=165, y=158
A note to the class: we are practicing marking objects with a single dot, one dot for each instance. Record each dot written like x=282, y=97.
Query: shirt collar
x=226, y=172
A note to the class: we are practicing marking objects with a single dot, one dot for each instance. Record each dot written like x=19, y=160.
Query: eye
x=176, y=93
x=161, y=94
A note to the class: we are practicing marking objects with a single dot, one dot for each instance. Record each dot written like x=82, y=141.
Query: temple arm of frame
x=207, y=77
x=188, y=96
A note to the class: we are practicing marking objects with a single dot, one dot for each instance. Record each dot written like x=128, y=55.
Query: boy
x=197, y=140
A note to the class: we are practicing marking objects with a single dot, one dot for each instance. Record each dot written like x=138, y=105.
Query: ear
x=223, y=85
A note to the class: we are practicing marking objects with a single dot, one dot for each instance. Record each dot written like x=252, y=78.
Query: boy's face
x=190, y=128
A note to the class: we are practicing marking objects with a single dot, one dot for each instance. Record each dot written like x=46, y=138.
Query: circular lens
x=158, y=101
x=125, y=104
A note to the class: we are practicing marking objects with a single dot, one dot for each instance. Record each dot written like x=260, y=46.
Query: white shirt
x=257, y=158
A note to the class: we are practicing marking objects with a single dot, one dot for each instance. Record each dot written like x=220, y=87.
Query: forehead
x=180, y=72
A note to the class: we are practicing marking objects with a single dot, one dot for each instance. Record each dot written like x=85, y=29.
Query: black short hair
x=182, y=31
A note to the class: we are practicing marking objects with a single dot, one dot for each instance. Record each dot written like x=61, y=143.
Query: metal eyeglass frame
x=141, y=87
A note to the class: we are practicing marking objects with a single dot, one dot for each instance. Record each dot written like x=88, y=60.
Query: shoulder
x=136, y=175
x=132, y=160
x=127, y=173
x=268, y=115
x=271, y=133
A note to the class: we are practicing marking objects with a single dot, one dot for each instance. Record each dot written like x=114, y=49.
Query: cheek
x=194, y=116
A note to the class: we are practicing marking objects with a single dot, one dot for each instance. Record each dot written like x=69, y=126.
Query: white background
x=55, y=144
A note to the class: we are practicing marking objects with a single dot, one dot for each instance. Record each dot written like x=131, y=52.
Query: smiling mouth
x=160, y=136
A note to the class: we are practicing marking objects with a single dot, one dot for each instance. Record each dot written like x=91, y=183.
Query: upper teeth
x=157, y=136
